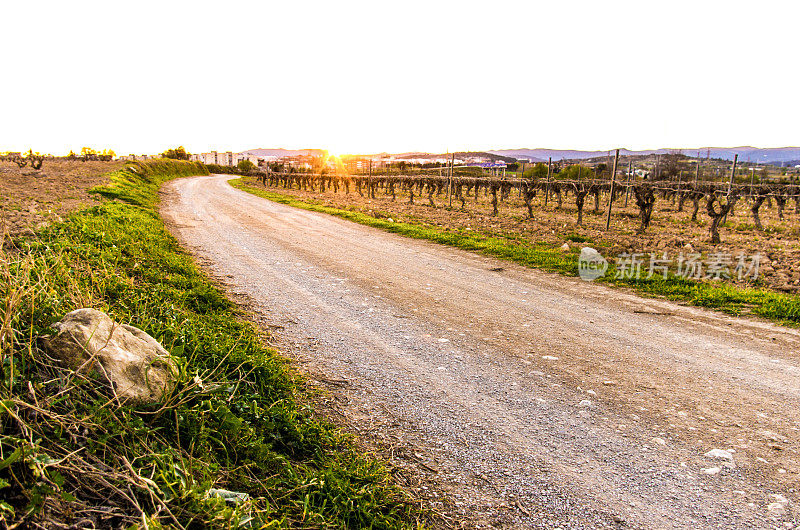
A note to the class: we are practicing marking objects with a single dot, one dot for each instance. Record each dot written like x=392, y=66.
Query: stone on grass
x=136, y=366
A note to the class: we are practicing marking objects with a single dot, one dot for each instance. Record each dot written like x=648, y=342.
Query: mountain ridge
x=769, y=155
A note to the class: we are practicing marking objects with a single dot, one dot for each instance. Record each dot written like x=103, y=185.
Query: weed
x=577, y=238
x=232, y=445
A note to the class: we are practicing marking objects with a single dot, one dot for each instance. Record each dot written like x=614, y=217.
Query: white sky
x=375, y=76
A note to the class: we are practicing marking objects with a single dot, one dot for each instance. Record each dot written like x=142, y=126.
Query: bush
x=245, y=166
x=178, y=153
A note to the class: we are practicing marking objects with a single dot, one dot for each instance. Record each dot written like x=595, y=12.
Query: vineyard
x=720, y=199
x=692, y=215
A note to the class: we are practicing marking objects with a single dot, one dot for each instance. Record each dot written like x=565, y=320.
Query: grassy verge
x=231, y=446
x=778, y=307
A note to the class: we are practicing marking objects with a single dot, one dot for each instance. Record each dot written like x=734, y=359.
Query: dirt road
x=533, y=399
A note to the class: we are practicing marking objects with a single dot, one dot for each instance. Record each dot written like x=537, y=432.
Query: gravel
x=481, y=371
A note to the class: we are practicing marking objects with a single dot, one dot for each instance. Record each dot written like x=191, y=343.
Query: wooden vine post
x=370, y=194
x=697, y=173
x=450, y=181
x=733, y=172
x=547, y=184
x=728, y=207
x=628, y=183
x=611, y=195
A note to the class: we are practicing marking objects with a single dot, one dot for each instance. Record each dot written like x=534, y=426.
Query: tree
x=575, y=172
x=538, y=171
x=671, y=166
x=245, y=166
x=87, y=153
x=107, y=155
x=176, y=154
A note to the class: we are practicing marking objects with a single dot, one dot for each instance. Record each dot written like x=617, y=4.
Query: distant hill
x=460, y=154
x=775, y=155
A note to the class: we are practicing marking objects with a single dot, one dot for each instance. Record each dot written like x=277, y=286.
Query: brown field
x=32, y=197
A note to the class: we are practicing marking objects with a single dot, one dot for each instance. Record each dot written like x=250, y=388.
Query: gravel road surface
x=532, y=400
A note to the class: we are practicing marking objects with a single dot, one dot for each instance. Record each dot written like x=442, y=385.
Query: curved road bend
x=540, y=401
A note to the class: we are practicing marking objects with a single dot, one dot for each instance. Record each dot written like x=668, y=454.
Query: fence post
x=611, y=195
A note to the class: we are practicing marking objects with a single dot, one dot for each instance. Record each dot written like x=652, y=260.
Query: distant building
x=229, y=158
x=488, y=165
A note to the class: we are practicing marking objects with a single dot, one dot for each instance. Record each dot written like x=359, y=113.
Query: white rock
x=565, y=247
x=586, y=404
x=659, y=441
x=136, y=366
x=720, y=454
x=589, y=254
x=772, y=436
x=549, y=358
x=776, y=508
x=780, y=498
x=711, y=470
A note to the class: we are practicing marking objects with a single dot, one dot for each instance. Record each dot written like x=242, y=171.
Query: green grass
x=778, y=307
x=237, y=420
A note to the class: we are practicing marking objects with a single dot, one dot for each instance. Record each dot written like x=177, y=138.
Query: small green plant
x=577, y=238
